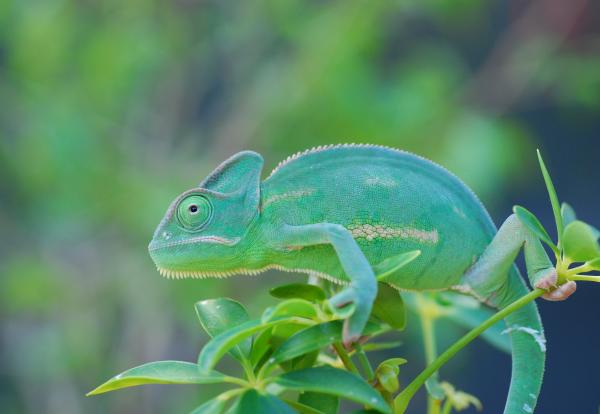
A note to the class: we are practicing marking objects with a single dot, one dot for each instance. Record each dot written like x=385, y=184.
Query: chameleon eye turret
x=194, y=212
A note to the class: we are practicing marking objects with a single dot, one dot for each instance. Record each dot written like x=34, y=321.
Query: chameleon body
x=337, y=212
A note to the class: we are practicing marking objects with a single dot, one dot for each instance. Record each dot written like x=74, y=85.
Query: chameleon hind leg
x=495, y=280
x=488, y=275
x=363, y=285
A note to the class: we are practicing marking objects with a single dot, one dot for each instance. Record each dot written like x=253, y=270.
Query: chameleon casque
x=336, y=212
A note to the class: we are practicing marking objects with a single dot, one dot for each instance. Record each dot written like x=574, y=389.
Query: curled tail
x=528, y=347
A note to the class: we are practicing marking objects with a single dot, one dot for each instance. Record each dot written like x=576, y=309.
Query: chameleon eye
x=194, y=212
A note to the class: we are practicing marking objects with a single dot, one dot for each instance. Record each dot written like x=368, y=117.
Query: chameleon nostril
x=166, y=235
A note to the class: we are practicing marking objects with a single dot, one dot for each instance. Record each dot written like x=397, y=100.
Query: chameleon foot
x=562, y=292
x=348, y=305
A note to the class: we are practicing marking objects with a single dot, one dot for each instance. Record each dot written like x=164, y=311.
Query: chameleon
x=338, y=212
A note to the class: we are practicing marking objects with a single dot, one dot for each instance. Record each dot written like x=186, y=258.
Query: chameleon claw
x=562, y=292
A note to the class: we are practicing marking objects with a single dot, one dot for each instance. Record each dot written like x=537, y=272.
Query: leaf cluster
x=577, y=241
x=292, y=357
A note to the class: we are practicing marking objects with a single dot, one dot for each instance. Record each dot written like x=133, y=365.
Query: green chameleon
x=339, y=212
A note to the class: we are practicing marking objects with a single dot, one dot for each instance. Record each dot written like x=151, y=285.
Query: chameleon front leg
x=363, y=285
x=488, y=275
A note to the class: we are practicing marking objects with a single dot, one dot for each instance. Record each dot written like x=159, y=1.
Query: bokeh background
x=109, y=109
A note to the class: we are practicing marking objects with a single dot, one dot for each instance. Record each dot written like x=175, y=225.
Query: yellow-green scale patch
x=372, y=231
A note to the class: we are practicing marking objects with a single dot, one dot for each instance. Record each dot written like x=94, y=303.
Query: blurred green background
x=109, y=109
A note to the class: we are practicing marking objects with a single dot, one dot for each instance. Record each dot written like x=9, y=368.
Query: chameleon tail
x=528, y=347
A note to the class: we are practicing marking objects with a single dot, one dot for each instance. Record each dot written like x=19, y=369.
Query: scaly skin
x=338, y=211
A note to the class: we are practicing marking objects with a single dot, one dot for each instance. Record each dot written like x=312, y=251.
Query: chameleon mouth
x=157, y=245
x=191, y=274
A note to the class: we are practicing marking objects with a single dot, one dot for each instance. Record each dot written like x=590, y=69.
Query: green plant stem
x=584, y=278
x=427, y=326
x=402, y=400
x=234, y=380
x=435, y=405
x=231, y=393
x=248, y=370
x=429, y=338
x=364, y=362
x=345, y=358
x=447, y=407
x=579, y=269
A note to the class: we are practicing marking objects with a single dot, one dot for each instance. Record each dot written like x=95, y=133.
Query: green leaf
x=214, y=350
x=389, y=307
x=567, y=213
x=314, y=338
x=595, y=231
x=214, y=406
x=580, y=242
x=218, y=315
x=304, y=361
x=280, y=335
x=160, y=372
x=291, y=307
x=387, y=377
x=327, y=404
x=304, y=291
x=394, y=362
x=328, y=380
x=387, y=374
x=252, y=401
x=553, y=198
x=392, y=264
x=301, y=408
x=260, y=347
x=533, y=224
x=595, y=264
x=310, y=339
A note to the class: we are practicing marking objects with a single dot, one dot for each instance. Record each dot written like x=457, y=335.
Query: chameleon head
x=204, y=232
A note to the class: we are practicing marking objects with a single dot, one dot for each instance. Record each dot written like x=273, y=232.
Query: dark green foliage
x=389, y=307
x=218, y=315
x=292, y=357
x=161, y=372
x=299, y=290
x=290, y=335
x=577, y=241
